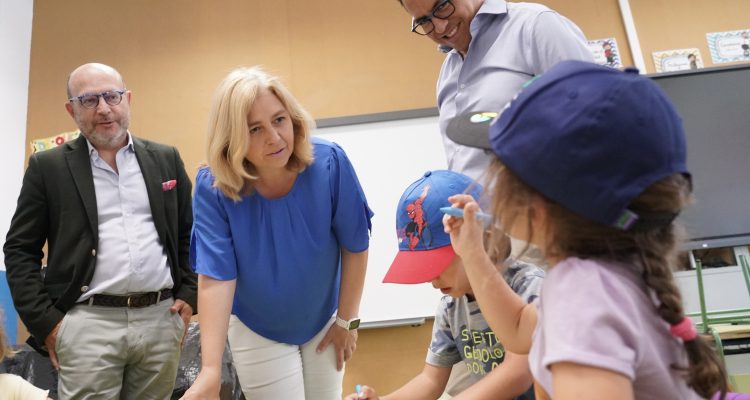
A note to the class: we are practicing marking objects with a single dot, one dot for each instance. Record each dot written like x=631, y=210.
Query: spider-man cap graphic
x=424, y=248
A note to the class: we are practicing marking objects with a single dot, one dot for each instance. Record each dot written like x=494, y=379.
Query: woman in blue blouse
x=280, y=238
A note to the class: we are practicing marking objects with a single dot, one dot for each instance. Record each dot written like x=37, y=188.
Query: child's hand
x=467, y=233
x=205, y=387
x=366, y=392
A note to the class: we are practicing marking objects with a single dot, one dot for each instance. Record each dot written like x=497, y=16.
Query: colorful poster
x=52, y=141
x=729, y=46
x=677, y=60
x=606, y=52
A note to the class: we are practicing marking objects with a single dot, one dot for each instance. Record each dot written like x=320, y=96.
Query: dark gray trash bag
x=33, y=367
x=190, y=366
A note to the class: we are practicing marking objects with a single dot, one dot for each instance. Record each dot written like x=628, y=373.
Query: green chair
x=711, y=321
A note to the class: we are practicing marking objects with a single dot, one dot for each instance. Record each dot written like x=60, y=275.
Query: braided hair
x=654, y=250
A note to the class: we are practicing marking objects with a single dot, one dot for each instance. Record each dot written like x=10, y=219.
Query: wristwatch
x=349, y=325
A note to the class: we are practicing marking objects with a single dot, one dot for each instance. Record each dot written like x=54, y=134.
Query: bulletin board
x=338, y=57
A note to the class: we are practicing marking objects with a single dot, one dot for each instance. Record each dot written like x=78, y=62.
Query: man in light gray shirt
x=490, y=44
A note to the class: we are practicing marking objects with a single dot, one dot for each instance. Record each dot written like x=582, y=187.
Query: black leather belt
x=137, y=300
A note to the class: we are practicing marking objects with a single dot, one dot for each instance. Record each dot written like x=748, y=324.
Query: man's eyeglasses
x=424, y=26
x=112, y=97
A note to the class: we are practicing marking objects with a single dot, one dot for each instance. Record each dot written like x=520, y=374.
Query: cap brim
x=471, y=129
x=419, y=266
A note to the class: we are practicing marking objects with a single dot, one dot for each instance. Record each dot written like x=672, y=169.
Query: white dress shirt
x=130, y=257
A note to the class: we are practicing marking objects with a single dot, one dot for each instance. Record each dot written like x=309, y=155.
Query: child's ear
x=539, y=216
x=502, y=248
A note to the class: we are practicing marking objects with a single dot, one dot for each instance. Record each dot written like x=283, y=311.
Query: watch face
x=354, y=324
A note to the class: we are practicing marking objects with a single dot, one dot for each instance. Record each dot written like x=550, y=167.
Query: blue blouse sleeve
x=211, y=245
x=351, y=213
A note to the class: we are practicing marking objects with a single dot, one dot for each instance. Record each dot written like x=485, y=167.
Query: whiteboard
x=388, y=157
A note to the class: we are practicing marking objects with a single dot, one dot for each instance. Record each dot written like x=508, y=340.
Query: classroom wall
x=339, y=57
x=671, y=24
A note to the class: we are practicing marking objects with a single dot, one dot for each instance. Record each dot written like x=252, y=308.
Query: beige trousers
x=119, y=353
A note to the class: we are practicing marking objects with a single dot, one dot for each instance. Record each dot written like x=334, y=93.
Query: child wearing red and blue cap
x=590, y=167
x=460, y=333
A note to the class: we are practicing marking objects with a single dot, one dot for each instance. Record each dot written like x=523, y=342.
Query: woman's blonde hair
x=228, y=130
x=655, y=250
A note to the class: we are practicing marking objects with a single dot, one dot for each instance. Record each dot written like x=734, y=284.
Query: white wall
x=15, y=52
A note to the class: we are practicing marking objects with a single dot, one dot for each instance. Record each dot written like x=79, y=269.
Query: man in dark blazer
x=112, y=304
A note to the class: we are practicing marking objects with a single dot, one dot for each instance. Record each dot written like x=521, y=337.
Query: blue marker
x=358, y=389
x=486, y=219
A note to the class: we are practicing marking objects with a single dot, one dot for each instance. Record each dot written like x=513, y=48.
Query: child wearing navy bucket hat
x=460, y=333
x=590, y=167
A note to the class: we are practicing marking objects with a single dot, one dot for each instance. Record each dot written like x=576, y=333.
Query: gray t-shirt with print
x=460, y=332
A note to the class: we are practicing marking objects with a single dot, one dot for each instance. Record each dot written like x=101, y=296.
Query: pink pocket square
x=168, y=185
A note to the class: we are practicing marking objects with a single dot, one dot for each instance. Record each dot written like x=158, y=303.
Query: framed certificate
x=729, y=46
x=605, y=52
x=677, y=60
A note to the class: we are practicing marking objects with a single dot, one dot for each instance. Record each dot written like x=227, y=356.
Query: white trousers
x=270, y=370
x=119, y=353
